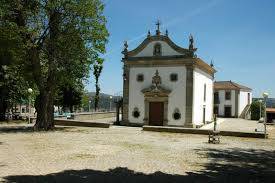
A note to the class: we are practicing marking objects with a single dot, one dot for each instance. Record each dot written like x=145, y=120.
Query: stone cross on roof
x=158, y=27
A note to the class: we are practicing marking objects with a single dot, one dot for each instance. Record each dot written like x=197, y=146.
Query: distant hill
x=269, y=103
x=104, y=101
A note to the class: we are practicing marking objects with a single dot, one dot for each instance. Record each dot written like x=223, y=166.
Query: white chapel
x=165, y=84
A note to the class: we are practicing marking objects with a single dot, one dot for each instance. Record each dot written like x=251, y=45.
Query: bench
x=214, y=137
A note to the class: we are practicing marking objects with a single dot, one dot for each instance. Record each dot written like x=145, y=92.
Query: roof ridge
x=235, y=84
x=232, y=85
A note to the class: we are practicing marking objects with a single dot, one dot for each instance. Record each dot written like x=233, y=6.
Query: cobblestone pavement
x=128, y=154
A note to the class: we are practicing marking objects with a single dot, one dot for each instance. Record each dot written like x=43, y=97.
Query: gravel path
x=97, y=153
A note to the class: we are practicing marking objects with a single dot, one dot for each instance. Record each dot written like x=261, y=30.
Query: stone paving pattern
x=128, y=154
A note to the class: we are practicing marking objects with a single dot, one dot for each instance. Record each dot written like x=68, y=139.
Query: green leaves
x=52, y=43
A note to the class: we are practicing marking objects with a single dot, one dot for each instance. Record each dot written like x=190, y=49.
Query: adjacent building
x=165, y=84
x=270, y=114
x=232, y=99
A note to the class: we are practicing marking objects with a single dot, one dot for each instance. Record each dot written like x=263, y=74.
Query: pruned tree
x=60, y=39
x=98, y=66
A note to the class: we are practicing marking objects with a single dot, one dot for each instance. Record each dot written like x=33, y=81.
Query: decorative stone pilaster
x=189, y=97
x=146, y=112
x=165, y=113
x=125, y=108
x=237, y=93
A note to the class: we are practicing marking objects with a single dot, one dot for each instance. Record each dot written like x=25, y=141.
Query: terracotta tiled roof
x=270, y=110
x=229, y=85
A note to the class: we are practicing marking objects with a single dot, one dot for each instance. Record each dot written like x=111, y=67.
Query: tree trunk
x=3, y=109
x=71, y=108
x=45, y=109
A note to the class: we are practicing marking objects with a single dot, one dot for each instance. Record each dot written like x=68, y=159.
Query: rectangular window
x=204, y=96
x=216, y=98
x=173, y=77
x=140, y=77
x=228, y=95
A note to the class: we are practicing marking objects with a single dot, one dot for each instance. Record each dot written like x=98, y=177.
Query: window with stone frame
x=227, y=95
x=173, y=77
x=216, y=98
x=140, y=78
x=157, y=49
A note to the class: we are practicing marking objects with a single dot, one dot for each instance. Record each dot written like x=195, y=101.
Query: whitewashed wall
x=224, y=102
x=176, y=98
x=243, y=101
x=201, y=78
x=149, y=50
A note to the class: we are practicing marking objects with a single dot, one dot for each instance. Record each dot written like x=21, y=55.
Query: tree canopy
x=59, y=41
x=256, y=108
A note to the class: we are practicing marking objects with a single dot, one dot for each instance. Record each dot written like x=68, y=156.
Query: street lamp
x=265, y=95
x=90, y=105
x=30, y=92
x=111, y=102
x=260, y=101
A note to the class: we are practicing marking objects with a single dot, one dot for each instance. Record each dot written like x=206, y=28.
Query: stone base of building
x=135, y=124
x=189, y=125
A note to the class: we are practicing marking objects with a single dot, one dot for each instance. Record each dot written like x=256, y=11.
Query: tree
x=85, y=100
x=255, y=108
x=13, y=87
x=69, y=96
x=98, y=66
x=60, y=39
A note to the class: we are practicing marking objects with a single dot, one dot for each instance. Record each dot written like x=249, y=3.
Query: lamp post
x=30, y=92
x=90, y=105
x=111, y=102
x=260, y=101
x=265, y=95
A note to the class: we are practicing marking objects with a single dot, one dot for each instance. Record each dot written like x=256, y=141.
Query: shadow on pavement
x=28, y=129
x=232, y=165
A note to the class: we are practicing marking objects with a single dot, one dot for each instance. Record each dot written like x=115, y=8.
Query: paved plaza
x=128, y=154
x=236, y=124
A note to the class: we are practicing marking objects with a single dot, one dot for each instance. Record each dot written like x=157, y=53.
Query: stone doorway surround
x=156, y=93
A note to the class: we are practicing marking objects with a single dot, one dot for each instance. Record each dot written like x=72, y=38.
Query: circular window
x=177, y=116
x=136, y=113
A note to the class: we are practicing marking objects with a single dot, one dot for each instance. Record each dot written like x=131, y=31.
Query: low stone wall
x=202, y=131
x=66, y=122
x=93, y=116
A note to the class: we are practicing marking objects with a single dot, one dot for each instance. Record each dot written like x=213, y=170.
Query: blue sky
x=238, y=35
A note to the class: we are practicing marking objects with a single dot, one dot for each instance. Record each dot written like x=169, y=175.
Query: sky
x=238, y=35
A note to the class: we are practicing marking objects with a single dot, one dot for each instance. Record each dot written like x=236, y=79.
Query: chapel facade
x=165, y=84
